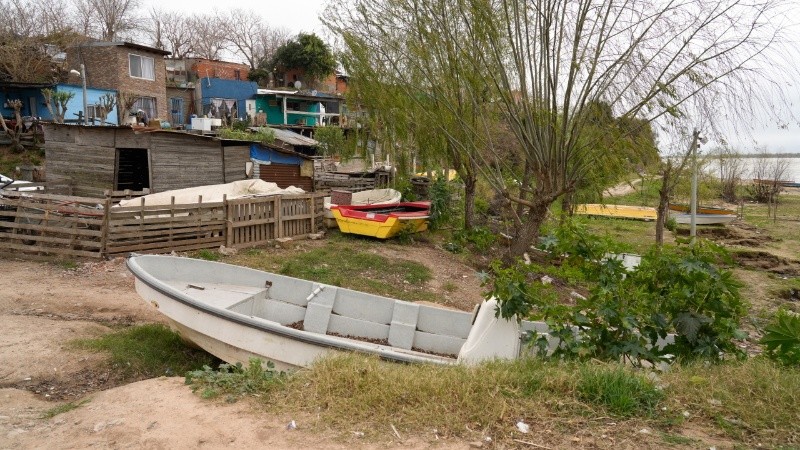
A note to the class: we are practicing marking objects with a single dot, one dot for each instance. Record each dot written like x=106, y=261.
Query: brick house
x=131, y=69
x=193, y=69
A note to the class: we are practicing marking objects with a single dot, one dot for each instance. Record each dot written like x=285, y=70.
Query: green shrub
x=782, y=338
x=441, y=203
x=235, y=380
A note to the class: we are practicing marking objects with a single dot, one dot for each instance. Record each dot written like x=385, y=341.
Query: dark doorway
x=133, y=169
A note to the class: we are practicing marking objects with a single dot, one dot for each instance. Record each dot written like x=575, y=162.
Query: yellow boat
x=617, y=211
x=382, y=221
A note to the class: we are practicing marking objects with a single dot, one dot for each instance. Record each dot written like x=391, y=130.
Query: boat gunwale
x=324, y=340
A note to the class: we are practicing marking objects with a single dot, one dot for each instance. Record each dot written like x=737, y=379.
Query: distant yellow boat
x=618, y=211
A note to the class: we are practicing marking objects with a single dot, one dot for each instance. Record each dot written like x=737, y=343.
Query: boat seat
x=319, y=308
x=404, y=325
x=220, y=295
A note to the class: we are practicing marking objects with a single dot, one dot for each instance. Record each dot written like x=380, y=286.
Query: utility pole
x=693, y=202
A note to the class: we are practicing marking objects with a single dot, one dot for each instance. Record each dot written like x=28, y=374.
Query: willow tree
x=543, y=62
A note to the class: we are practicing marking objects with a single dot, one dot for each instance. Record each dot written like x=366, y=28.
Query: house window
x=141, y=67
x=237, y=74
x=146, y=104
x=91, y=112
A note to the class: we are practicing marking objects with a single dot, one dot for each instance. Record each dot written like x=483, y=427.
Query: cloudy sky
x=302, y=15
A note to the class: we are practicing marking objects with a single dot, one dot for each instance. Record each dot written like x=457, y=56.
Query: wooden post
x=171, y=218
x=227, y=210
x=104, y=228
x=278, y=217
x=311, y=206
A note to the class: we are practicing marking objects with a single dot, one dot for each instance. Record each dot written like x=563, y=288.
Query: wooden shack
x=90, y=160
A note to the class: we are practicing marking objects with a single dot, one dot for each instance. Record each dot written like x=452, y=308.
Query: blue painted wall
x=231, y=89
x=261, y=153
x=73, y=107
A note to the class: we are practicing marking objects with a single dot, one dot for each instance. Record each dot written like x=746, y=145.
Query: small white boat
x=236, y=313
x=703, y=219
x=368, y=197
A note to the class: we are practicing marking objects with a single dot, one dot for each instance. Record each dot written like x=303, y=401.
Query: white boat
x=236, y=313
x=212, y=193
x=703, y=219
x=368, y=197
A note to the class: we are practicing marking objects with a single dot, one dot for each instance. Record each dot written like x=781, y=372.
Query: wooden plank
x=49, y=250
x=168, y=246
x=178, y=208
x=51, y=240
x=133, y=232
x=63, y=198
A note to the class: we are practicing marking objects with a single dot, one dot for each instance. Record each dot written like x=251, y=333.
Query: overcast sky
x=302, y=15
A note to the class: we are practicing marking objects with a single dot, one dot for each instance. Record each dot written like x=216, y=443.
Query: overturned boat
x=237, y=313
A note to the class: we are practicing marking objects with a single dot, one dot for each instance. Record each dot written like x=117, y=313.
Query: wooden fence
x=49, y=224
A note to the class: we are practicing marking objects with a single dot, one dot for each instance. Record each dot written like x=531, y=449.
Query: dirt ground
x=43, y=306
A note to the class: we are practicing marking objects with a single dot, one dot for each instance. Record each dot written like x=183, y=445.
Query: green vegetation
x=147, y=351
x=782, y=338
x=263, y=135
x=348, y=262
x=208, y=255
x=234, y=380
x=61, y=409
x=617, y=389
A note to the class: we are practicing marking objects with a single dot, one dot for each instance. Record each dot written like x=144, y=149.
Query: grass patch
x=147, y=351
x=61, y=409
x=617, y=389
x=208, y=255
x=752, y=401
x=347, y=263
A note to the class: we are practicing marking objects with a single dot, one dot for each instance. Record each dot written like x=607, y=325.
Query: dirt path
x=44, y=306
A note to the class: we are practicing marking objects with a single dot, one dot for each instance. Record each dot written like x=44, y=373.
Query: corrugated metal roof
x=291, y=138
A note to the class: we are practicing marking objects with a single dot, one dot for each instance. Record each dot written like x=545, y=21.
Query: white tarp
x=213, y=193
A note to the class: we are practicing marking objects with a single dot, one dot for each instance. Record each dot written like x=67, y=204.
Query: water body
x=792, y=172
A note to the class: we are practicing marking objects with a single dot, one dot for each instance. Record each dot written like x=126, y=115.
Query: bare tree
x=731, y=172
x=768, y=173
x=14, y=132
x=208, y=39
x=172, y=31
x=545, y=61
x=115, y=17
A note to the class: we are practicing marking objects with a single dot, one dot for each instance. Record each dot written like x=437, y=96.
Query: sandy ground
x=43, y=306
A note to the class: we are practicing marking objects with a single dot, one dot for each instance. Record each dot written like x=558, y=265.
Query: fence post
x=278, y=216
x=311, y=204
x=228, y=214
x=104, y=228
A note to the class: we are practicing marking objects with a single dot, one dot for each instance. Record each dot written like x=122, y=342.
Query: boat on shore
x=382, y=221
x=617, y=211
x=237, y=313
x=701, y=209
x=369, y=197
x=703, y=219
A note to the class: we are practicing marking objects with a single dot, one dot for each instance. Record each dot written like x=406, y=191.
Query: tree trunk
x=528, y=232
x=469, y=202
x=663, y=207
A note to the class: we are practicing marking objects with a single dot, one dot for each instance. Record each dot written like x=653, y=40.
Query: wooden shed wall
x=236, y=158
x=180, y=161
x=81, y=158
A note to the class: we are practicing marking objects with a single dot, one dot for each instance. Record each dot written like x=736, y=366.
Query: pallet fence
x=57, y=225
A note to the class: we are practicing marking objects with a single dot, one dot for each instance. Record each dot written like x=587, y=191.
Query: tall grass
x=147, y=351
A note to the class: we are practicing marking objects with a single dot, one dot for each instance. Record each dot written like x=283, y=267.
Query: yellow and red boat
x=382, y=221
x=681, y=208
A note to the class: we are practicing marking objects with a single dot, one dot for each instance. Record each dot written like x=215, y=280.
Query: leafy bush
x=234, y=379
x=481, y=238
x=441, y=203
x=782, y=338
x=628, y=315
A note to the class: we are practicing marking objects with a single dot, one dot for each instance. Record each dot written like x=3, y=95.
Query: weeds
x=235, y=380
x=208, y=255
x=63, y=408
x=147, y=351
x=617, y=389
